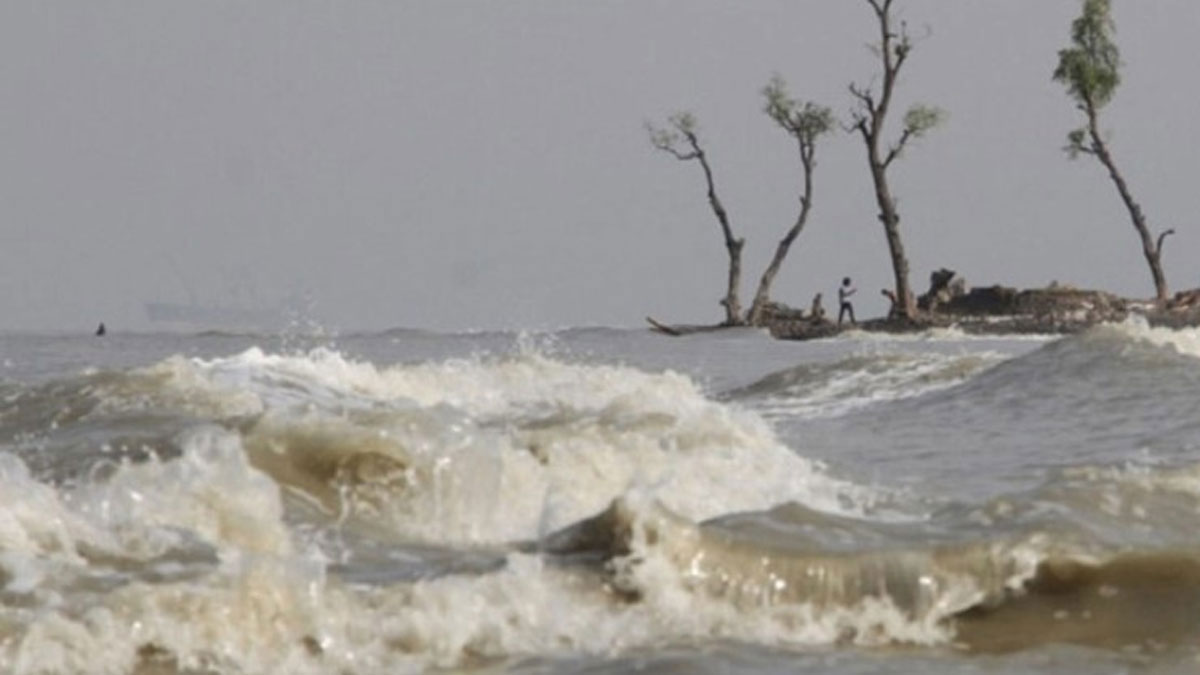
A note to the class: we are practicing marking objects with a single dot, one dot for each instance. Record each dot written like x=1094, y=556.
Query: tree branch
x=681, y=156
x=864, y=120
x=684, y=157
x=863, y=95
x=857, y=123
x=898, y=147
x=1161, y=237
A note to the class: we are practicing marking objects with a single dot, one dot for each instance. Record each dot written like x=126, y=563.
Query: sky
x=472, y=164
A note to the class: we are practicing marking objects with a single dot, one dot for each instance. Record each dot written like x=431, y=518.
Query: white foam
x=950, y=334
x=176, y=383
x=452, y=479
x=860, y=382
x=33, y=519
x=58, y=544
x=142, y=511
x=510, y=448
x=268, y=606
x=702, y=591
x=210, y=490
x=485, y=451
x=269, y=615
x=1185, y=341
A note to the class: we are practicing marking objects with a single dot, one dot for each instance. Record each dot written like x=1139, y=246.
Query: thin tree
x=682, y=141
x=1090, y=70
x=869, y=117
x=804, y=122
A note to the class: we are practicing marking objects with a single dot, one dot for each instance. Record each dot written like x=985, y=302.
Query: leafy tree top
x=1090, y=67
x=803, y=119
x=682, y=130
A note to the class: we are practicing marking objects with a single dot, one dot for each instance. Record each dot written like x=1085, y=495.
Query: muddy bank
x=1001, y=310
x=991, y=310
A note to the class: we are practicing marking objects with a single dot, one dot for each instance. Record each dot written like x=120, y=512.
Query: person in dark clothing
x=101, y=330
x=847, y=289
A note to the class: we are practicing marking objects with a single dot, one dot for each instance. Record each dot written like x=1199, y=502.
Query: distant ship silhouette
x=193, y=315
x=242, y=310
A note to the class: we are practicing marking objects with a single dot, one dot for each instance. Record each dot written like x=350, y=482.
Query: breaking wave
x=315, y=513
x=830, y=389
x=473, y=450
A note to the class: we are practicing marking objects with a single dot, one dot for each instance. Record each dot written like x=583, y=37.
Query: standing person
x=844, y=294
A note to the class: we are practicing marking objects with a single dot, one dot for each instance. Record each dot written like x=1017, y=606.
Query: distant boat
x=214, y=317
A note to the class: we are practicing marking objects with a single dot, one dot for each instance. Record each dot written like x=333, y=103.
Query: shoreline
x=992, y=311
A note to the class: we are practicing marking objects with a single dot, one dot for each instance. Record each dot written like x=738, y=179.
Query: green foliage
x=662, y=138
x=680, y=127
x=1077, y=143
x=921, y=118
x=804, y=120
x=685, y=122
x=1090, y=67
x=779, y=104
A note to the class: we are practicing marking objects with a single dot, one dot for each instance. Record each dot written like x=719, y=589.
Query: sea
x=600, y=500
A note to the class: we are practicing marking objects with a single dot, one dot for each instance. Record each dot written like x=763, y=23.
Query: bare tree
x=804, y=122
x=681, y=140
x=1089, y=69
x=869, y=117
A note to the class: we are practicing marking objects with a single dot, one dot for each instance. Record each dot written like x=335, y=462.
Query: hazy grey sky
x=470, y=164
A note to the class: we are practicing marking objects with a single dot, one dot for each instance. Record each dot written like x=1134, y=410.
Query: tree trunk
x=906, y=304
x=1150, y=249
x=731, y=302
x=733, y=306
x=871, y=126
x=763, y=296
